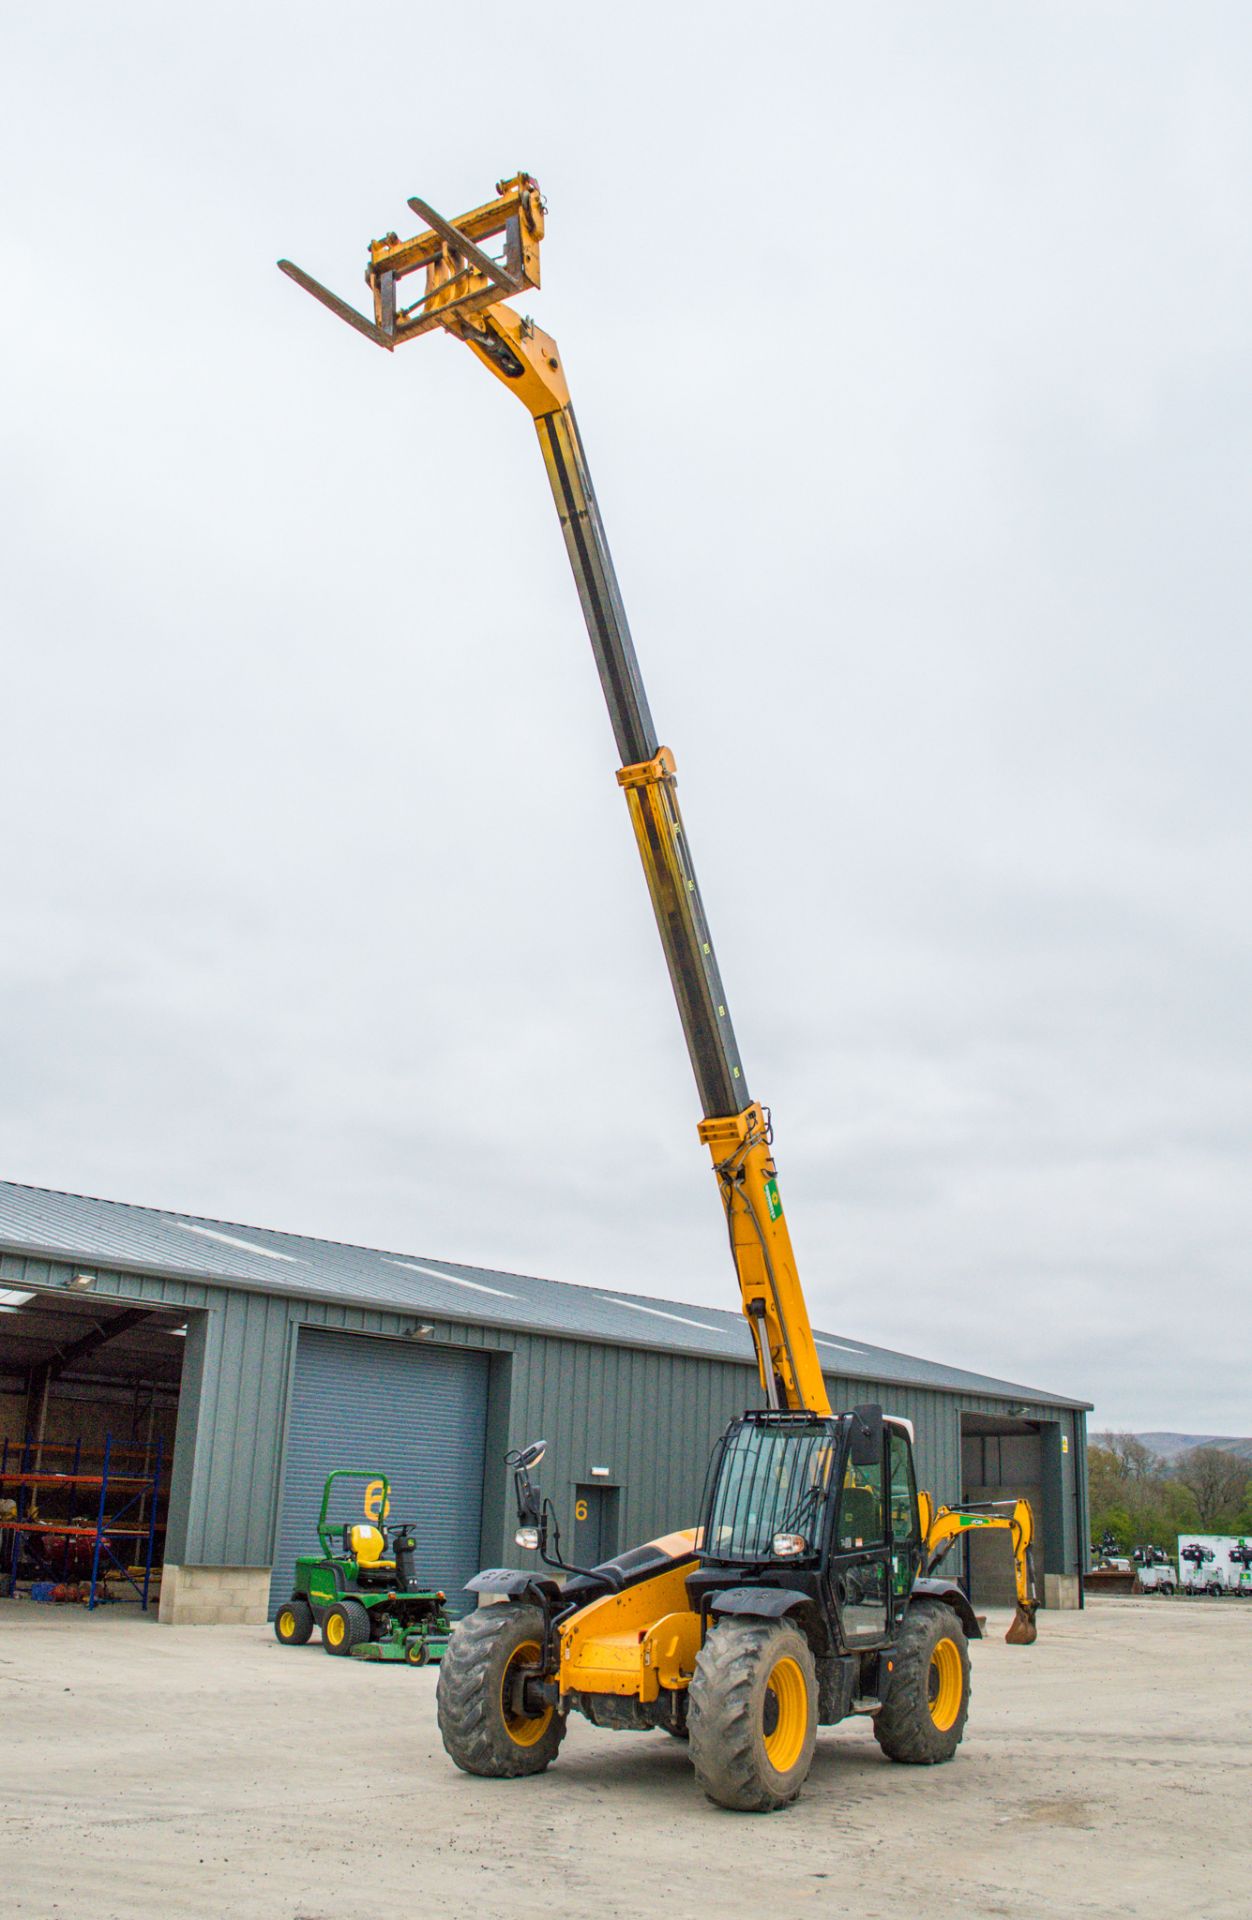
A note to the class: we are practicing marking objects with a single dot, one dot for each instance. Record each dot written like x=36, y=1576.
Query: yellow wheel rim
x=336, y=1629
x=786, y=1714
x=524, y=1729
x=946, y=1684
x=286, y=1623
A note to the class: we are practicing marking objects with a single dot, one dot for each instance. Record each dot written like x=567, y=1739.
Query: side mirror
x=530, y=1514
x=527, y=1500
x=865, y=1440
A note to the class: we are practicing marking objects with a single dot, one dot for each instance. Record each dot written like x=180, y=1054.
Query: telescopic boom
x=466, y=294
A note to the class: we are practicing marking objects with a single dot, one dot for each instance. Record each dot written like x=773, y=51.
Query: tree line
x=1143, y=1500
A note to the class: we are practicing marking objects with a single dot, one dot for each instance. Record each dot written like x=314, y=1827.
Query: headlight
x=527, y=1537
x=788, y=1545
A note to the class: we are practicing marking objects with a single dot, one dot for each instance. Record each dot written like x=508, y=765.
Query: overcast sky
x=911, y=350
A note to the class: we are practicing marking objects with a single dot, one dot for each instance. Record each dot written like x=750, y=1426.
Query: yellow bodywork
x=769, y=1283
x=636, y=1642
x=940, y=1529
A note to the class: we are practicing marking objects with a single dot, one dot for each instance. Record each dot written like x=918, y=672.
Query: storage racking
x=135, y=1518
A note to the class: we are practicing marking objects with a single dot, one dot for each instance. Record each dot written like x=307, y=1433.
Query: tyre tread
x=903, y=1727
x=358, y=1624
x=723, y=1736
x=303, y=1612
x=474, y=1736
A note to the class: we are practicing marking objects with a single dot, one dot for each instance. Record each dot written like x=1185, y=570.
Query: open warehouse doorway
x=1005, y=1458
x=89, y=1392
x=1001, y=1459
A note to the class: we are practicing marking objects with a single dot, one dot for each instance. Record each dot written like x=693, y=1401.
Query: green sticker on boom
x=772, y=1201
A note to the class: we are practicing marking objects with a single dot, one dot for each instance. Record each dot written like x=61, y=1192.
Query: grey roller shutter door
x=417, y=1414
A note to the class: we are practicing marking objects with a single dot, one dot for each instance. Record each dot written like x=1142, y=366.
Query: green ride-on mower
x=366, y=1606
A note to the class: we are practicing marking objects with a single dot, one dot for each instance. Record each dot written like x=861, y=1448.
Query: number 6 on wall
x=374, y=1500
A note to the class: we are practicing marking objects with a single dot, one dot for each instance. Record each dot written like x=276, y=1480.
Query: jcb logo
x=376, y=1508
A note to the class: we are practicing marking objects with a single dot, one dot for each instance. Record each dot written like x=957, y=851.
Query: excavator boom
x=941, y=1531
x=466, y=293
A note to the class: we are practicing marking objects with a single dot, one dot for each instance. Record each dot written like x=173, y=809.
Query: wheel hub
x=784, y=1717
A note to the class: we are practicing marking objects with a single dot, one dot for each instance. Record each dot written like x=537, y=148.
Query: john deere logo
x=772, y=1201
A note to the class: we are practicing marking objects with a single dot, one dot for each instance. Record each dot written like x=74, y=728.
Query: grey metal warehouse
x=266, y=1358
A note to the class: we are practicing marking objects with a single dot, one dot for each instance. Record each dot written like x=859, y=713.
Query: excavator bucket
x=1022, y=1631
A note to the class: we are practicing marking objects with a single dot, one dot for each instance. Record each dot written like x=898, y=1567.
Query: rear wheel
x=922, y=1720
x=487, y=1725
x=752, y=1714
x=293, y=1622
x=347, y=1625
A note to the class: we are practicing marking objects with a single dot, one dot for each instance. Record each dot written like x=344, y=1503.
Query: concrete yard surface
x=159, y=1771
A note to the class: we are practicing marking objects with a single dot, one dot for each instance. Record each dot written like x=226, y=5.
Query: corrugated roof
x=38, y=1222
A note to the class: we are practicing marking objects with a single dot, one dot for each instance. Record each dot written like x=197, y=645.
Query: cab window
x=903, y=1488
x=860, y=1508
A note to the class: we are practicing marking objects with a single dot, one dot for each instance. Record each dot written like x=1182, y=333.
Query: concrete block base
x=1060, y=1590
x=214, y=1596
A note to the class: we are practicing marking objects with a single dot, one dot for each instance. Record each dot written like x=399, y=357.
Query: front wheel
x=293, y=1623
x=922, y=1720
x=488, y=1727
x=752, y=1714
x=347, y=1625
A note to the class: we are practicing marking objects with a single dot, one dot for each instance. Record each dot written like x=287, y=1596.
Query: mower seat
x=366, y=1545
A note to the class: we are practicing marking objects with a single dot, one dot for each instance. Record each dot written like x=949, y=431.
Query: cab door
x=903, y=1518
x=859, y=1568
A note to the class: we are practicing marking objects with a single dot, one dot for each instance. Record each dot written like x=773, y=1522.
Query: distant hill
x=1170, y=1445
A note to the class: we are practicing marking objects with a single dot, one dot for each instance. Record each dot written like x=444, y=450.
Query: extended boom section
x=466, y=290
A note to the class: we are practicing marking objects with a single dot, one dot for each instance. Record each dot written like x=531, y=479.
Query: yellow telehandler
x=806, y=1593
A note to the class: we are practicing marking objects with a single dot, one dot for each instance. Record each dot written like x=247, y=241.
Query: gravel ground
x=148, y=1770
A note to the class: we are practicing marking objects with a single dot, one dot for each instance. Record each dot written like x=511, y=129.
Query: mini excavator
x=808, y=1591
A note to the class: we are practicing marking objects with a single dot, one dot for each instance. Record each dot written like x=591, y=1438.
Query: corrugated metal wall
x=649, y=1416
